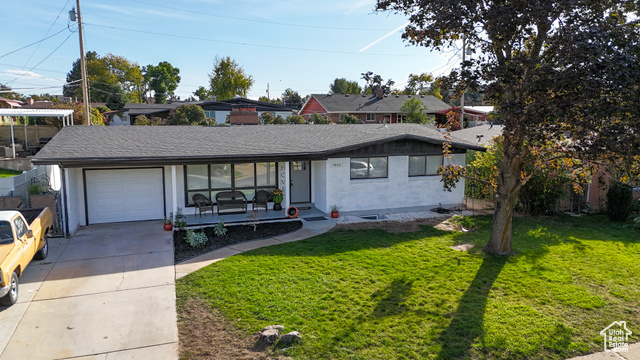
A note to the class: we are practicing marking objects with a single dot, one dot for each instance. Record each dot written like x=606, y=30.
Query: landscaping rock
x=269, y=336
x=291, y=338
x=270, y=327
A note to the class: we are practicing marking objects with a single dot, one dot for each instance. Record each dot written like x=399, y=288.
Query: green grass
x=376, y=295
x=8, y=173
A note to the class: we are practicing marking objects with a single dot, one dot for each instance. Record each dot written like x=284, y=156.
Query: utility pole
x=461, y=97
x=83, y=65
x=268, y=92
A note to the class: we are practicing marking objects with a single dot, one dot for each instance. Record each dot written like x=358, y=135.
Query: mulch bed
x=235, y=234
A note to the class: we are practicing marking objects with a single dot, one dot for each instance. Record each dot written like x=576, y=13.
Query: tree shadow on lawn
x=467, y=323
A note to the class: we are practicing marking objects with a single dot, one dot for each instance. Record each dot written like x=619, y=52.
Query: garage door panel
x=124, y=195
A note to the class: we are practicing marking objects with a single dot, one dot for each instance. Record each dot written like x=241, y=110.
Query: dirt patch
x=205, y=334
x=462, y=247
x=395, y=227
x=235, y=234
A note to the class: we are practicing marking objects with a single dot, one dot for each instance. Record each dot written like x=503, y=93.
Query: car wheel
x=12, y=296
x=42, y=253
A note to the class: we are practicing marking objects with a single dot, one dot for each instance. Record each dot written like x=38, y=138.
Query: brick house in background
x=370, y=109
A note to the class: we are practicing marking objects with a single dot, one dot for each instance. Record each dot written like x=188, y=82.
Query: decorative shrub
x=196, y=239
x=220, y=228
x=180, y=221
x=619, y=201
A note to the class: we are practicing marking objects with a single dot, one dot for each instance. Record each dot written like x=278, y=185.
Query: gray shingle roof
x=176, y=144
x=487, y=133
x=372, y=104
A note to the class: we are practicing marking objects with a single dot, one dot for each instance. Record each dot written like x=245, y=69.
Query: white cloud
x=23, y=74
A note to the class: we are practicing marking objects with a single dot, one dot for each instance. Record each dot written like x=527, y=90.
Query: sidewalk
x=633, y=354
x=309, y=229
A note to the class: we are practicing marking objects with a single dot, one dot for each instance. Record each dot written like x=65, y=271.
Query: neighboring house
x=477, y=115
x=247, y=111
x=128, y=114
x=241, y=110
x=128, y=173
x=8, y=104
x=481, y=134
x=370, y=109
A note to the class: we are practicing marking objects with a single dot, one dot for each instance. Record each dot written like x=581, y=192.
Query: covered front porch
x=306, y=212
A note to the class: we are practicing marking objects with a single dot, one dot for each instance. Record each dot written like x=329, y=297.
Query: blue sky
x=298, y=44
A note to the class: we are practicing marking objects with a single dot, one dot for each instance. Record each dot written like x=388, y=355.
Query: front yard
x=371, y=294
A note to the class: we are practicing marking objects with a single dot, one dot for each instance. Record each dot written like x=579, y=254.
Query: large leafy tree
x=163, y=80
x=228, y=79
x=344, y=86
x=375, y=82
x=103, y=73
x=187, y=115
x=292, y=99
x=202, y=93
x=414, y=111
x=549, y=67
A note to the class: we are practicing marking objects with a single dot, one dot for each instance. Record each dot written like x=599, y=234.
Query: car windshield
x=6, y=234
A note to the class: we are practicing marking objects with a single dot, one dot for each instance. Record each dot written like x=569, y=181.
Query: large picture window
x=369, y=168
x=424, y=165
x=211, y=179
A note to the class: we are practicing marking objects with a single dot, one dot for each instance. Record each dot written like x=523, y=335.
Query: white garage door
x=124, y=195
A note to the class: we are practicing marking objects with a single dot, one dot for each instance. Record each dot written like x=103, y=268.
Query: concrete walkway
x=632, y=354
x=106, y=293
x=309, y=229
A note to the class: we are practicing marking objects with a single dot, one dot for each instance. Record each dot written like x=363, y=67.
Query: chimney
x=243, y=115
x=213, y=98
x=30, y=101
x=379, y=92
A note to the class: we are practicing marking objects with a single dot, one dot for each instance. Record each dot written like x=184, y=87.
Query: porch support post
x=174, y=192
x=26, y=142
x=285, y=182
x=13, y=141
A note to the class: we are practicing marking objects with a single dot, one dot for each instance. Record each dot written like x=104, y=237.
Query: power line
x=43, y=60
x=39, y=69
x=249, y=44
x=45, y=35
x=37, y=42
x=259, y=21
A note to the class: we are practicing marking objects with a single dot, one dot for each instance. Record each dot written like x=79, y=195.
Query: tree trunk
x=504, y=202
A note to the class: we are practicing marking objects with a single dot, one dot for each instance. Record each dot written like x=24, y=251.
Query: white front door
x=300, y=182
x=124, y=195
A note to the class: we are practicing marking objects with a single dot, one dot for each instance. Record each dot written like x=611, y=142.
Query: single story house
x=130, y=173
x=216, y=111
x=242, y=110
x=370, y=109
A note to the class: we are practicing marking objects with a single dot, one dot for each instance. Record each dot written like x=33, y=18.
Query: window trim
x=368, y=168
x=372, y=115
x=209, y=190
x=426, y=156
x=400, y=118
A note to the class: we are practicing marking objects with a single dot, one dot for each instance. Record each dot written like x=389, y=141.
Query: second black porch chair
x=261, y=199
x=203, y=203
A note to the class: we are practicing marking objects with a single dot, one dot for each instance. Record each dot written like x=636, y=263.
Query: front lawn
x=370, y=294
x=8, y=173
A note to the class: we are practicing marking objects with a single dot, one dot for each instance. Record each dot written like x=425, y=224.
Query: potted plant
x=277, y=196
x=168, y=225
x=334, y=211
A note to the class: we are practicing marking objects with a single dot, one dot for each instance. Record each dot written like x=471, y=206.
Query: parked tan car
x=20, y=242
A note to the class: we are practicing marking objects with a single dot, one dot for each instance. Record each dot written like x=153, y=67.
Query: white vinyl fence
x=17, y=185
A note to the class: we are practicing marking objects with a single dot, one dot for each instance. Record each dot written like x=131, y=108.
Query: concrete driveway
x=106, y=293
